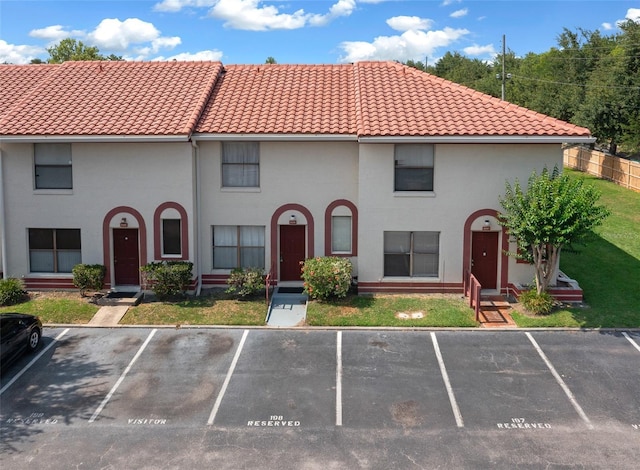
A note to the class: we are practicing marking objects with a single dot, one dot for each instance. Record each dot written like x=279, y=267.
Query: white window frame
x=55, y=251
x=162, y=236
x=238, y=246
x=240, y=164
x=417, y=160
x=411, y=251
x=334, y=233
x=53, y=160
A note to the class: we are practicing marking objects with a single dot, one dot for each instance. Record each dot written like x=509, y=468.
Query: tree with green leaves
x=71, y=49
x=554, y=212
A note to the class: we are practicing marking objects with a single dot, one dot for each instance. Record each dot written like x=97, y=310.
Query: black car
x=19, y=332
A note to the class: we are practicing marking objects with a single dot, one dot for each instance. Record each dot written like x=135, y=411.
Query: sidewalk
x=495, y=312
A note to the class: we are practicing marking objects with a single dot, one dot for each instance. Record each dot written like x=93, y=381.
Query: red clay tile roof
x=17, y=80
x=367, y=99
x=114, y=99
x=396, y=100
x=282, y=99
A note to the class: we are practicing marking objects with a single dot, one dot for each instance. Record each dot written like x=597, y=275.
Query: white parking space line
x=227, y=379
x=33, y=361
x=339, y=379
x=447, y=383
x=561, y=382
x=635, y=345
x=122, y=376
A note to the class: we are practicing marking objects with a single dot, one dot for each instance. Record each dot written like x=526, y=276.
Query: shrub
x=327, y=277
x=11, y=291
x=88, y=277
x=246, y=282
x=167, y=278
x=540, y=304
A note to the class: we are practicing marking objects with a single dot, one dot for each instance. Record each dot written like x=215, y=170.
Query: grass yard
x=431, y=310
x=607, y=269
x=206, y=310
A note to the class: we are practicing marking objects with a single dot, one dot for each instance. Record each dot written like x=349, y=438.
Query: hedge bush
x=167, y=278
x=88, y=276
x=246, y=282
x=327, y=277
x=11, y=291
x=540, y=304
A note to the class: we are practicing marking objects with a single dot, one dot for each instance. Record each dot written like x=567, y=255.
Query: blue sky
x=303, y=31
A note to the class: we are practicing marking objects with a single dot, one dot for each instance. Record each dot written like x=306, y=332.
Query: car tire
x=33, y=340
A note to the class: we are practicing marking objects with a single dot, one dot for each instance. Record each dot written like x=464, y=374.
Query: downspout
x=196, y=222
x=3, y=230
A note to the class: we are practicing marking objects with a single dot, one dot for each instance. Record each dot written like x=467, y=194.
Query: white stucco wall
x=467, y=178
x=311, y=174
x=141, y=176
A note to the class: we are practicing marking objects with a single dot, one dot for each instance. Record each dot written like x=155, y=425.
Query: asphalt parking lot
x=307, y=399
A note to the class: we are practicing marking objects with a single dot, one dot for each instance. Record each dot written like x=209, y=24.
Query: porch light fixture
x=123, y=222
x=487, y=225
x=293, y=220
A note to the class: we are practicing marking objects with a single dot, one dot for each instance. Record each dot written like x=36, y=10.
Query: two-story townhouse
x=263, y=165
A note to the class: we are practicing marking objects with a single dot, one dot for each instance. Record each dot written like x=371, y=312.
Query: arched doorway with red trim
x=124, y=246
x=484, y=250
x=292, y=241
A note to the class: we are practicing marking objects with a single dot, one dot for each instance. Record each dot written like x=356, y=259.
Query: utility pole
x=504, y=77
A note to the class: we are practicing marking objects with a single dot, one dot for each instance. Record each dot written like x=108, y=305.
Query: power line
x=575, y=84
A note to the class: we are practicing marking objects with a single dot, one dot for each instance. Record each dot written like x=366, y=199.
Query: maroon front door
x=484, y=258
x=292, y=251
x=126, y=260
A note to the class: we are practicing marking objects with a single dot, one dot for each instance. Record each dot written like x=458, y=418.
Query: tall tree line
x=589, y=80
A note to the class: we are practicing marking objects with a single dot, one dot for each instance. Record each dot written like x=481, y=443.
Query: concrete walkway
x=109, y=315
x=287, y=309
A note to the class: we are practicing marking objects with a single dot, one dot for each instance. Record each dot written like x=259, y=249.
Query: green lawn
x=607, y=269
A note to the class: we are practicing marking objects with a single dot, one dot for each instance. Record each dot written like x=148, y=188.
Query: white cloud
x=117, y=35
x=255, y=15
x=607, y=26
x=55, y=33
x=633, y=14
x=407, y=23
x=450, y=2
x=177, y=5
x=459, y=13
x=18, y=54
x=476, y=50
x=250, y=15
x=341, y=8
x=186, y=56
x=410, y=45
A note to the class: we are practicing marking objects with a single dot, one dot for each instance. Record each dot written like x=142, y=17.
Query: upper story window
x=54, y=250
x=413, y=167
x=53, y=166
x=411, y=254
x=240, y=164
x=171, y=237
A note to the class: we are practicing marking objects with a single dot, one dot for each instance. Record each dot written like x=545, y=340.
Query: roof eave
x=518, y=139
x=275, y=137
x=93, y=138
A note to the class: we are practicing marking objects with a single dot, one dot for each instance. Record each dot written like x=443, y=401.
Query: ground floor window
x=54, y=250
x=411, y=254
x=171, y=237
x=239, y=246
x=341, y=234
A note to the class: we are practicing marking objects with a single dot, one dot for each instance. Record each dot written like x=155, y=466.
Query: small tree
x=555, y=211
